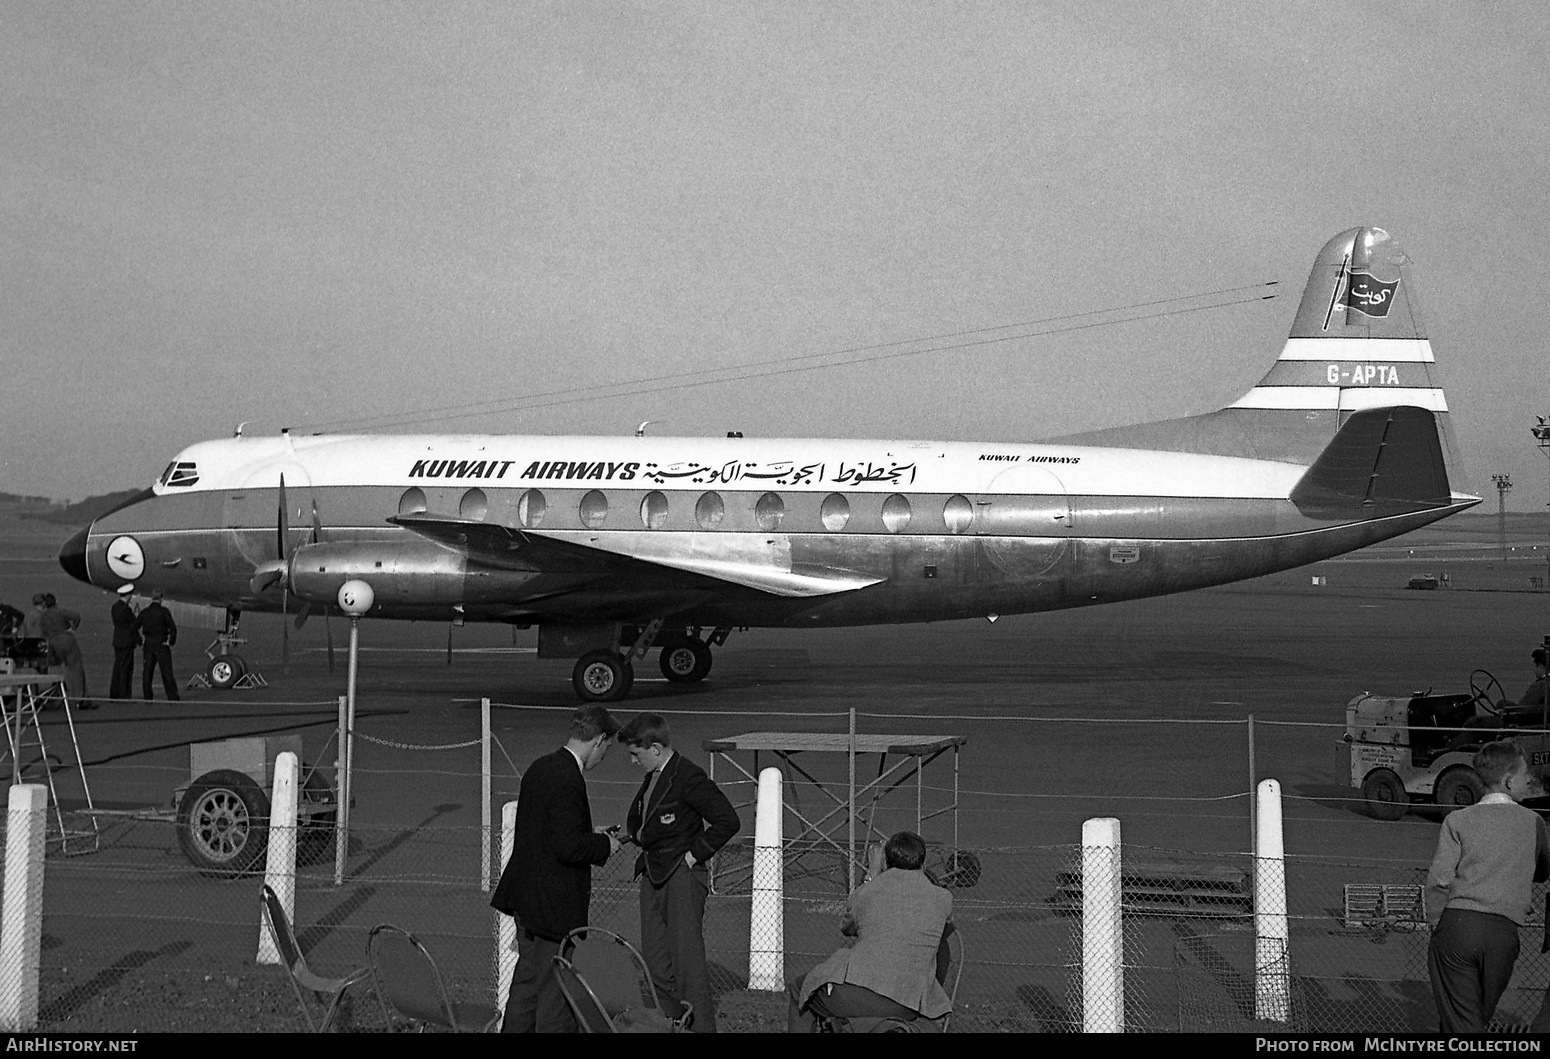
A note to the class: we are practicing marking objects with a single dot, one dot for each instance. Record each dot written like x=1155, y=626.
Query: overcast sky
x=318, y=214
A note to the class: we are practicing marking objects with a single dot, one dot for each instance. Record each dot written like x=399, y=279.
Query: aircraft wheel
x=224, y=671
x=1458, y=787
x=1385, y=793
x=685, y=663
x=602, y=676
x=223, y=824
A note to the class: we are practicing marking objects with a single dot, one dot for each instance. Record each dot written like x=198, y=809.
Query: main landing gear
x=607, y=674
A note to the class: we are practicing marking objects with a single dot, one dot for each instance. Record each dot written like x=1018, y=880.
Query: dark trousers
x=1470, y=961
x=159, y=654
x=672, y=939
x=841, y=1000
x=123, y=684
x=535, y=1003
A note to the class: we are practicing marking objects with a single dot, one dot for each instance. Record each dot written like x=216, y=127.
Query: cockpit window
x=178, y=474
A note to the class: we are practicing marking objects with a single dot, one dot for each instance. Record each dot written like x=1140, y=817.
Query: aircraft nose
x=72, y=556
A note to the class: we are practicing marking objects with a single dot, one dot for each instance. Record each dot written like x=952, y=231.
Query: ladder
x=23, y=697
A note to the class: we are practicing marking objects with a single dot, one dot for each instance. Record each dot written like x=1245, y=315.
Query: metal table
x=913, y=753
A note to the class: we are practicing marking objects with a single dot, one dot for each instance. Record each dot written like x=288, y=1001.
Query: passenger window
x=594, y=509
x=709, y=511
x=835, y=512
x=769, y=512
x=653, y=511
x=412, y=502
x=530, y=509
x=896, y=513
x=957, y=513
x=474, y=505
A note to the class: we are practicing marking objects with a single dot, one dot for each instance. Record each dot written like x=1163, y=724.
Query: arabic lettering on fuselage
x=780, y=472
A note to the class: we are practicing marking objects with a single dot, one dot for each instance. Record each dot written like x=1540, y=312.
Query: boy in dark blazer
x=547, y=883
x=679, y=818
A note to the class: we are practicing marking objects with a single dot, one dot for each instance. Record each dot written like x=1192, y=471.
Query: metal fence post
x=850, y=757
x=1272, y=970
x=1253, y=788
x=21, y=929
x=767, y=911
x=1103, y=933
x=280, y=865
x=484, y=794
x=341, y=791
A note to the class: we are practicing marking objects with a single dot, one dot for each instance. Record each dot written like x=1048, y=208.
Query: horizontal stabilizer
x=744, y=559
x=1383, y=461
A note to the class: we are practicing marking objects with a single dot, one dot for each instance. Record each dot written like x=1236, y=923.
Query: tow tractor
x=1418, y=749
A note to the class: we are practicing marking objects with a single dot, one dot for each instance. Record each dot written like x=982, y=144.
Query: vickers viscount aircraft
x=616, y=546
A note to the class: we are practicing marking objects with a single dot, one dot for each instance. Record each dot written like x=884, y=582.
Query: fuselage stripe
x=1348, y=398
x=1396, y=350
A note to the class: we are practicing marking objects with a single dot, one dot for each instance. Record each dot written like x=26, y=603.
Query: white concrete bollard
x=1103, y=929
x=505, y=926
x=21, y=927
x=1272, y=959
x=767, y=910
x=280, y=867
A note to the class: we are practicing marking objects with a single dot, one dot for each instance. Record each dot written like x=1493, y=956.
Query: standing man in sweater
x=1479, y=891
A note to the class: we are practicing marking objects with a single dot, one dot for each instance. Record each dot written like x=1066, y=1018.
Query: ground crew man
x=160, y=633
x=126, y=637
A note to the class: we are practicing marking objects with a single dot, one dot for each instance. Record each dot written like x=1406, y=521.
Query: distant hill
x=78, y=514
x=28, y=501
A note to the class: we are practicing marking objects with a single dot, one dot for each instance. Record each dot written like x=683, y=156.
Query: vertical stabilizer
x=1357, y=343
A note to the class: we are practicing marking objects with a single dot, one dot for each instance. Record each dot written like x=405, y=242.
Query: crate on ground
x=1398, y=906
x=1163, y=888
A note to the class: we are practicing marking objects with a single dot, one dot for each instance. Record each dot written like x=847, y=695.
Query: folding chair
x=408, y=982
x=326, y=991
x=608, y=986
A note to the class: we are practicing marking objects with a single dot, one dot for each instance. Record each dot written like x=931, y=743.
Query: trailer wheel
x=1458, y=787
x=223, y=824
x=1385, y=793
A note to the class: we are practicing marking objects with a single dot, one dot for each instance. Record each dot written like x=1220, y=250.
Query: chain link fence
x=137, y=937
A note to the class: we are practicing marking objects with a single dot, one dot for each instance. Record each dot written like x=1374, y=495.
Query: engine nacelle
x=399, y=572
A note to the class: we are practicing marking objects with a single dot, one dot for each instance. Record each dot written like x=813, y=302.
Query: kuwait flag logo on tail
x=1369, y=296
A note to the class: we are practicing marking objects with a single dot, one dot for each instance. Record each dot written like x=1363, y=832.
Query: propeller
x=277, y=571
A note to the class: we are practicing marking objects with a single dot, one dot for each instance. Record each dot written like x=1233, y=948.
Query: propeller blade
x=285, y=632
x=449, y=643
x=317, y=523
x=282, y=524
x=303, y=615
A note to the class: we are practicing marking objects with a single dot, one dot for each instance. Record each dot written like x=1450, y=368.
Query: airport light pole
x=1503, y=487
x=355, y=599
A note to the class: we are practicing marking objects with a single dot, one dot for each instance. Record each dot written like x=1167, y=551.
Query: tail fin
x=1357, y=343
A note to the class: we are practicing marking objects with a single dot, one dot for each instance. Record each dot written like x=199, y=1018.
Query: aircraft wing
x=749, y=561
